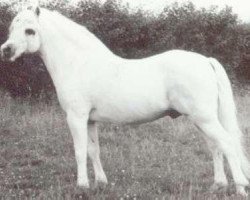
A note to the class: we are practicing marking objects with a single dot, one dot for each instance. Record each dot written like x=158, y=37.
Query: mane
x=78, y=34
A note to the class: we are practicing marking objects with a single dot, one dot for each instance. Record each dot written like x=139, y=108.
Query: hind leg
x=214, y=130
x=220, y=179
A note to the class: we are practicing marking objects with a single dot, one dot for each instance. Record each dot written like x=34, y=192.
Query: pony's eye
x=30, y=31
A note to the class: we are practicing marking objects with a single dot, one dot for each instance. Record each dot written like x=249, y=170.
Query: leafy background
x=212, y=32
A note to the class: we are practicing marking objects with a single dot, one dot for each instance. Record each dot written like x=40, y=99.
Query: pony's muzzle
x=7, y=52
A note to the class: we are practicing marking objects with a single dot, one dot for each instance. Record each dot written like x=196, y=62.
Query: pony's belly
x=132, y=98
x=127, y=114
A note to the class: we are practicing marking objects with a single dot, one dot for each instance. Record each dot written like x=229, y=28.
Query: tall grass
x=166, y=159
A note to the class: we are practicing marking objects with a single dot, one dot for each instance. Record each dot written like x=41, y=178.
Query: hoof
x=218, y=187
x=84, y=185
x=83, y=188
x=240, y=190
x=100, y=185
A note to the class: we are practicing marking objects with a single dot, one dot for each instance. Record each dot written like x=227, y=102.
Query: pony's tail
x=226, y=105
x=227, y=113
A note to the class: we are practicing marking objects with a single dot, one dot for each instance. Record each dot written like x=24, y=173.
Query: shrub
x=211, y=32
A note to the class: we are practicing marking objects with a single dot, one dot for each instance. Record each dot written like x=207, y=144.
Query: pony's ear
x=36, y=9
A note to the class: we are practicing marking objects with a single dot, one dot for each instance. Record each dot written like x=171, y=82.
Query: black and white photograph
x=125, y=99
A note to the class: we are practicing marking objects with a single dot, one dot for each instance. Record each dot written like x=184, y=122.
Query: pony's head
x=24, y=35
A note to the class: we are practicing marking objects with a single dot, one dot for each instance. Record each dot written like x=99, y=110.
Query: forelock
x=24, y=17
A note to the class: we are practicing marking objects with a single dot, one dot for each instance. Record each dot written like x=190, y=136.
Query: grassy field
x=166, y=159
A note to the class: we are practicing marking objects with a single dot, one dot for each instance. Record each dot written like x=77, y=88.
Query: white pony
x=95, y=85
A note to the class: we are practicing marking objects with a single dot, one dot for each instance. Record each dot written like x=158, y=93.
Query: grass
x=166, y=159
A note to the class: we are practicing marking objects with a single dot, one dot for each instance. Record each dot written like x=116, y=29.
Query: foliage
x=212, y=32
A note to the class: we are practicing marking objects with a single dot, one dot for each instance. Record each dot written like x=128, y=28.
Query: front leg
x=94, y=154
x=78, y=126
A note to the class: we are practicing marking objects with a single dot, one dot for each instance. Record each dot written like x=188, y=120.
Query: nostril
x=7, y=51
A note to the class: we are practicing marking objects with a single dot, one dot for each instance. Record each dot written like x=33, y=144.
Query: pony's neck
x=63, y=41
